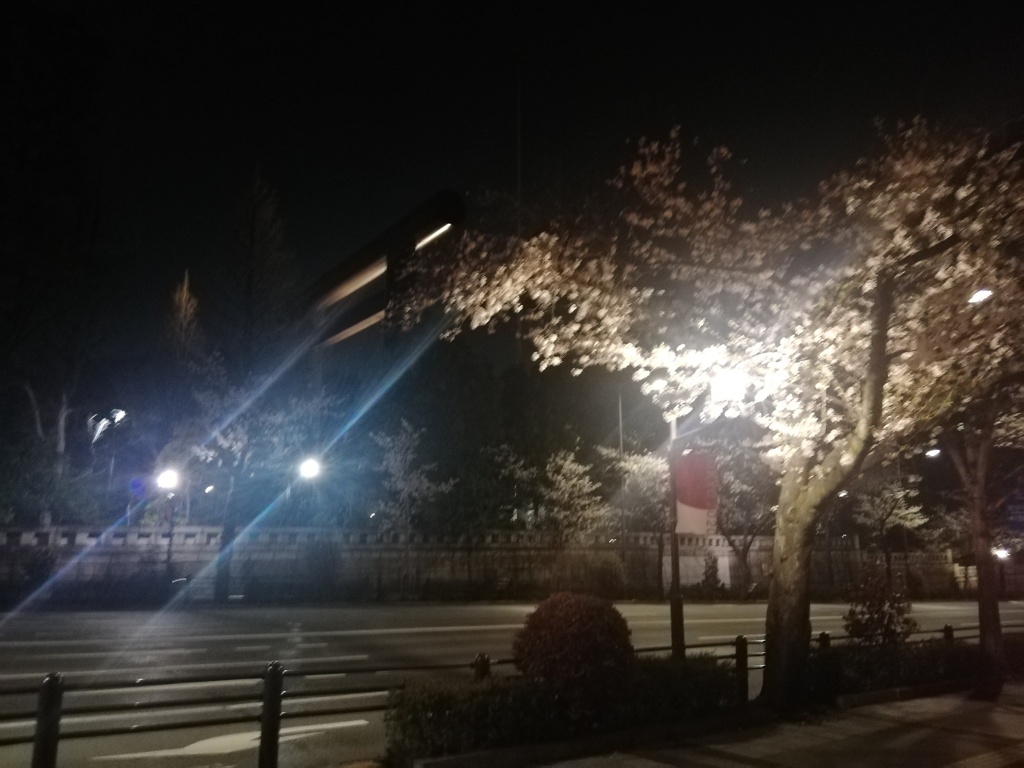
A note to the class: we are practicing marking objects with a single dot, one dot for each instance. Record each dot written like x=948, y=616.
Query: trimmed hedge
x=435, y=718
x=856, y=668
x=571, y=637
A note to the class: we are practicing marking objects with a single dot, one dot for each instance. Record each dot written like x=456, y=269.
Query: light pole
x=675, y=595
x=168, y=480
x=729, y=385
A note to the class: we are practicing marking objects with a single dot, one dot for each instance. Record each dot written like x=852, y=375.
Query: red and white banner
x=696, y=484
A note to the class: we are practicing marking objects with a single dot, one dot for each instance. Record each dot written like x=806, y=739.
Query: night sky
x=355, y=116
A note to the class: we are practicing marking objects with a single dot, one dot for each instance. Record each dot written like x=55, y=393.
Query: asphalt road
x=106, y=648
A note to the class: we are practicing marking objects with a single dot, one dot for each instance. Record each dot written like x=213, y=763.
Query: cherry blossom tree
x=818, y=319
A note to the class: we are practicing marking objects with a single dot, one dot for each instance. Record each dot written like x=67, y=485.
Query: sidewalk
x=948, y=730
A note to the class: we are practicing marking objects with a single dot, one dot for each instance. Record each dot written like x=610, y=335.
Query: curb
x=886, y=695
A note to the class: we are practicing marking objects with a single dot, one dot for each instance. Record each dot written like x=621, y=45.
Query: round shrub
x=570, y=637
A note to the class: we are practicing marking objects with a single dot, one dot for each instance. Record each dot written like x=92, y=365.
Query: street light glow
x=931, y=453
x=310, y=468
x=730, y=385
x=167, y=479
x=979, y=296
x=1001, y=552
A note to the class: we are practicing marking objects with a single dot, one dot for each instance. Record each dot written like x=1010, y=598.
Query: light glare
x=729, y=385
x=167, y=479
x=979, y=296
x=1001, y=553
x=310, y=468
x=931, y=453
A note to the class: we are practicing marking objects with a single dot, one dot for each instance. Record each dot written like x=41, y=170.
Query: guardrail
x=268, y=693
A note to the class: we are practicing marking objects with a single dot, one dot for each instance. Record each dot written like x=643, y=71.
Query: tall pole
x=675, y=597
x=622, y=486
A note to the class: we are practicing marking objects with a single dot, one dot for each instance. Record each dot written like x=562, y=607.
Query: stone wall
x=321, y=563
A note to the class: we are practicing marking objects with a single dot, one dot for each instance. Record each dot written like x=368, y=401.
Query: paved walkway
x=949, y=730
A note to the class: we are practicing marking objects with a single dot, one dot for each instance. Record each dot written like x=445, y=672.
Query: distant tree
x=250, y=410
x=571, y=502
x=408, y=489
x=55, y=310
x=637, y=486
x=559, y=496
x=885, y=508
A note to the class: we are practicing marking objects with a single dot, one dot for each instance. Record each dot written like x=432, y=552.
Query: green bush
x=572, y=637
x=433, y=718
x=856, y=668
x=878, y=614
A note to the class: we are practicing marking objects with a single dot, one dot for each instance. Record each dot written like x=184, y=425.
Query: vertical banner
x=696, y=485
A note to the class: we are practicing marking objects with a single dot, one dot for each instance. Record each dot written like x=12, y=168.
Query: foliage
x=248, y=411
x=888, y=507
x=408, y=489
x=819, y=315
x=854, y=668
x=640, y=482
x=878, y=615
x=563, y=496
x=442, y=717
x=711, y=579
x=572, y=637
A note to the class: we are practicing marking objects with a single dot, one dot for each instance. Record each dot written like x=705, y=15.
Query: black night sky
x=357, y=113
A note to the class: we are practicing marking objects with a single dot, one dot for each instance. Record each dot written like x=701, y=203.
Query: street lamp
x=309, y=469
x=168, y=479
x=728, y=385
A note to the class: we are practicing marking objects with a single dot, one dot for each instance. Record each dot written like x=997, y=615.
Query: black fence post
x=51, y=695
x=270, y=715
x=742, y=672
x=947, y=633
x=481, y=666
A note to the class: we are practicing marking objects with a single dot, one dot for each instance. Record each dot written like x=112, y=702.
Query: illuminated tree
x=825, y=310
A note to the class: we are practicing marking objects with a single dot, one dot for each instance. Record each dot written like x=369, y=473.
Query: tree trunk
x=788, y=623
x=988, y=605
x=743, y=563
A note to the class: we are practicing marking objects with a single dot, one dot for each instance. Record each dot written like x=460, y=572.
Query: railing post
x=481, y=666
x=51, y=695
x=947, y=633
x=270, y=715
x=742, y=673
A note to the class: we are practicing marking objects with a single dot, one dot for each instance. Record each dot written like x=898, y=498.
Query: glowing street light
x=167, y=479
x=979, y=296
x=309, y=469
x=730, y=385
x=1001, y=552
x=932, y=453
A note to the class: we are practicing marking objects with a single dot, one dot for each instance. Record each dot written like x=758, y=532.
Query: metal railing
x=269, y=694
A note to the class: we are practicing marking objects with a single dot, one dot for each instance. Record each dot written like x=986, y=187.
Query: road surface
x=104, y=648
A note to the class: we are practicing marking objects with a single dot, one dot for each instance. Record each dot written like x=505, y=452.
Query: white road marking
x=253, y=647
x=234, y=742
x=181, y=669
x=122, y=653
x=311, y=645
